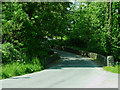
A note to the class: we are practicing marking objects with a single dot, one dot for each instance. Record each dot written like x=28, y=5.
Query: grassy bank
x=16, y=69
x=114, y=69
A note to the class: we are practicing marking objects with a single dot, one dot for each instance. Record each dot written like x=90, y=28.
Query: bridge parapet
x=51, y=59
x=102, y=59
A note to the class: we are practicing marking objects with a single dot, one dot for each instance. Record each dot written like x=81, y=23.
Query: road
x=72, y=71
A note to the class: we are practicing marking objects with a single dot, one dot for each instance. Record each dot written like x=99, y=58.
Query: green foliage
x=16, y=69
x=9, y=53
x=114, y=69
x=58, y=42
x=25, y=25
x=95, y=27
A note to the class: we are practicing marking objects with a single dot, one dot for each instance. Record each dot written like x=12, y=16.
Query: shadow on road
x=19, y=78
x=70, y=60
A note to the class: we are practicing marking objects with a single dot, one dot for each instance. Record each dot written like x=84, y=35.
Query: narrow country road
x=72, y=71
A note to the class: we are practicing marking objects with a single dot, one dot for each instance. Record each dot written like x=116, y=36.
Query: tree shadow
x=71, y=60
x=77, y=63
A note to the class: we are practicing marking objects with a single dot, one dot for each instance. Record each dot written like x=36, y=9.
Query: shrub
x=9, y=53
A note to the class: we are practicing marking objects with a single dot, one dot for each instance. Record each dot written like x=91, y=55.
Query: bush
x=9, y=53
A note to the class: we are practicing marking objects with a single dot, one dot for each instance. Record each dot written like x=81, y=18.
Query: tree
x=27, y=24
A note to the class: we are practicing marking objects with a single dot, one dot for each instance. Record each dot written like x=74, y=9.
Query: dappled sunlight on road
x=69, y=60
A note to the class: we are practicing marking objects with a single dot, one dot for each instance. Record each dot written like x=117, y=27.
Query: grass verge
x=16, y=69
x=114, y=69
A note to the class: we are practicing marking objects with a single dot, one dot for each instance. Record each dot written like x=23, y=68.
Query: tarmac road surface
x=72, y=71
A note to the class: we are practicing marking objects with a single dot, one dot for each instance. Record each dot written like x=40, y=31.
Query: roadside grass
x=94, y=59
x=114, y=69
x=16, y=69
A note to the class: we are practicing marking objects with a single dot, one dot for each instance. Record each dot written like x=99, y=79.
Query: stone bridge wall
x=102, y=59
x=51, y=59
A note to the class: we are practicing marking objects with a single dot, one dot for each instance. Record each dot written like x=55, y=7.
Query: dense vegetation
x=25, y=25
x=96, y=28
x=26, y=28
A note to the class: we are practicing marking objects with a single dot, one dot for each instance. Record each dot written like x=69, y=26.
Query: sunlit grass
x=94, y=59
x=114, y=69
x=16, y=69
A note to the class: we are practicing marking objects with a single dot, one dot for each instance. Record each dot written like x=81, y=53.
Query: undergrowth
x=17, y=68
